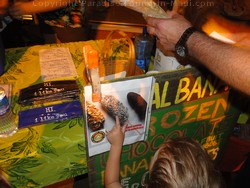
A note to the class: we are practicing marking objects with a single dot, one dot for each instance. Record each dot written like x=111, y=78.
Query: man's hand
x=168, y=31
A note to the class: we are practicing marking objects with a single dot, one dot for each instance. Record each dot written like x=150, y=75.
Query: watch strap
x=182, y=43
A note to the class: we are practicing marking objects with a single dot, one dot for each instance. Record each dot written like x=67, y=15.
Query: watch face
x=180, y=50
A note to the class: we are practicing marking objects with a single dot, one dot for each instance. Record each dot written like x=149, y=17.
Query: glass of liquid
x=8, y=125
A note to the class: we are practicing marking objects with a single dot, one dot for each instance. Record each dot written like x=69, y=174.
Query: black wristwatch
x=181, y=45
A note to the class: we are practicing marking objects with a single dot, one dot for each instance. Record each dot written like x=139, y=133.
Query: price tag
x=47, y=114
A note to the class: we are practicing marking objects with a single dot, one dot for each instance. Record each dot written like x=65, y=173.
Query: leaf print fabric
x=45, y=154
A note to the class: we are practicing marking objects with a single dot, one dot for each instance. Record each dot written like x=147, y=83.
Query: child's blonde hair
x=183, y=163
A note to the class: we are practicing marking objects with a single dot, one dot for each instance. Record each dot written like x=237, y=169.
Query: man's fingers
x=151, y=30
x=153, y=25
x=152, y=21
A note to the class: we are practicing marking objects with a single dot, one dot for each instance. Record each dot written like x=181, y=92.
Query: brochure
x=57, y=64
x=130, y=100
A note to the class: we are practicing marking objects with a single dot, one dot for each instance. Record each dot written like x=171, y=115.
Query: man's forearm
x=229, y=63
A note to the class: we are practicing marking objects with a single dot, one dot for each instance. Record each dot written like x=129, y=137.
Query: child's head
x=183, y=163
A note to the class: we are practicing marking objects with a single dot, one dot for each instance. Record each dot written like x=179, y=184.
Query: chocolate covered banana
x=95, y=117
x=115, y=108
x=138, y=104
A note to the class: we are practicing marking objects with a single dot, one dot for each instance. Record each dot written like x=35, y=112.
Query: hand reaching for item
x=117, y=134
x=168, y=30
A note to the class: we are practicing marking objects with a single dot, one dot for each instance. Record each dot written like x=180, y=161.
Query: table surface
x=44, y=154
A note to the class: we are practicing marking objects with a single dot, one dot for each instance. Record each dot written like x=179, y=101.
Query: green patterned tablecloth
x=41, y=155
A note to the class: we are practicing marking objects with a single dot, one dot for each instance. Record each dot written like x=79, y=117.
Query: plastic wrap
x=147, y=8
